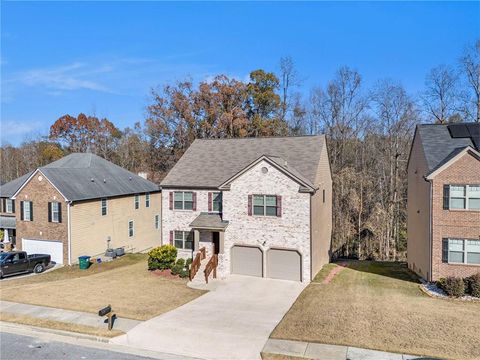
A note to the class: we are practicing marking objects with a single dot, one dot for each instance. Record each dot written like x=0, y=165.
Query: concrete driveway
x=233, y=321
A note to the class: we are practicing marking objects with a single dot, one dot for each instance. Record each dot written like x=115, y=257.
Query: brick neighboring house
x=444, y=201
x=73, y=206
x=262, y=205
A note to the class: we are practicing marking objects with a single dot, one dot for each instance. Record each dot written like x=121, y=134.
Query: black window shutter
x=13, y=206
x=445, y=250
x=31, y=210
x=4, y=205
x=49, y=212
x=21, y=210
x=446, y=197
x=59, y=212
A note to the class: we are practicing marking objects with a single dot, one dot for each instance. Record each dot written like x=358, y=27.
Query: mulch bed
x=165, y=274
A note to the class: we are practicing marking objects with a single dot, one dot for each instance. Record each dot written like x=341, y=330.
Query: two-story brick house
x=444, y=201
x=263, y=205
x=82, y=204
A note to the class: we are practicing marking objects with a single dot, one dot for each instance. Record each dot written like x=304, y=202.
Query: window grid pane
x=457, y=203
x=258, y=200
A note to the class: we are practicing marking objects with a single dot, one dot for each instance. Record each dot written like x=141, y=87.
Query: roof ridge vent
x=92, y=180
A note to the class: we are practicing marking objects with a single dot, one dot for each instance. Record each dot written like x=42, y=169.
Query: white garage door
x=52, y=248
x=284, y=264
x=247, y=260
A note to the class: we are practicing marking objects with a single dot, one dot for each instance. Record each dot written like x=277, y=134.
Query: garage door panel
x=247, y=261
x=284, y=264
x=52, y=248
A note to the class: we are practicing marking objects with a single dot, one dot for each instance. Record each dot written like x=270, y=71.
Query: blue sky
x=103, y=57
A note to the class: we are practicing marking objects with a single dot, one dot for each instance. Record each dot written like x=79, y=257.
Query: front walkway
x=300, y=349
x=233, y=321
x=65, y=316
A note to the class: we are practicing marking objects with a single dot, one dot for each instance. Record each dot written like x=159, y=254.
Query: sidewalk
x=66, y=316
x=330, y=352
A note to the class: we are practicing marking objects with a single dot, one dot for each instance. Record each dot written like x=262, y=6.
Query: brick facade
x=40, y=191
x=454, y=223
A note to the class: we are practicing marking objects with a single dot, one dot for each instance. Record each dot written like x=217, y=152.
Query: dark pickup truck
x=18, y=262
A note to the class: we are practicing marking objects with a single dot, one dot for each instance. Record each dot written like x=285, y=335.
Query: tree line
x=369, y=133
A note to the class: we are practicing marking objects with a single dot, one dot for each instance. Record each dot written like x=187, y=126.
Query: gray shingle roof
x=7, y=222
x=209, y=221
x=8, y=189
x=209, y=163
x=72, y=176
x=438, y=145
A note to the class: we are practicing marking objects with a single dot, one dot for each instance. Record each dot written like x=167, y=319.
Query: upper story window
x=157, y=222
x=266, y=205
x=131, y=229
x=137, y=201
x=9, y=206
x=54, y=212
x=463, y=251
x=215, y=201
x=104, y=207
x=26, y=211
x=183, y=200
x=147, y=200
x=461, y=197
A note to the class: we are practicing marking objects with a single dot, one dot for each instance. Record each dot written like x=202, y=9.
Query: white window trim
x=466, y=197
x=147, y=200
x=26, y=202
x=136, y=201
x=465, y=253
x=183, y=200
x=264, y=205
x=57, y=205
x=9, y=206
x=156, y=221
x=133, y=228
x=184, y=236
x=106, y=207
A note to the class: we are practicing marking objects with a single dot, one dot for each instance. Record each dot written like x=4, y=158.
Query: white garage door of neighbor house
x=247, y=260
x=284, y=264
x=52, y=248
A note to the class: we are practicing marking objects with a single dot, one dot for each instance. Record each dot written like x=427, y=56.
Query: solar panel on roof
x=458, y=130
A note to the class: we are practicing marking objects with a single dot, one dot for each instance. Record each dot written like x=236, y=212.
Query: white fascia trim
x=30, y=178
x=69, y=233
x=453, y=160
x=225, y=185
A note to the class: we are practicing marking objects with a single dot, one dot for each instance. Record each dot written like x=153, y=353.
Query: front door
x=216, y=242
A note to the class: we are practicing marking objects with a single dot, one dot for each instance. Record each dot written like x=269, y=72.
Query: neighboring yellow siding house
x=90, y=229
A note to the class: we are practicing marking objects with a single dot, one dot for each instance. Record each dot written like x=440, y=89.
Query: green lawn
x=380, y=306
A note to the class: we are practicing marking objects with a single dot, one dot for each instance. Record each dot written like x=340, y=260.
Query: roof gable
x=210, y=163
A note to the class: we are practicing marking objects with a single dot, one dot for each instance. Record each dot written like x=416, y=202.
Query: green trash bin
x=84, y=262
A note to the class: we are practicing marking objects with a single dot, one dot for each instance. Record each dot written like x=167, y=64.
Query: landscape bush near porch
x=165, y=258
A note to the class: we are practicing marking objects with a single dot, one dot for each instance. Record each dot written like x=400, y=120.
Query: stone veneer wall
x=291, y=230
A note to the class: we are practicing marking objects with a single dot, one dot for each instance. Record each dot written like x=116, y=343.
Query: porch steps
x=199, y=278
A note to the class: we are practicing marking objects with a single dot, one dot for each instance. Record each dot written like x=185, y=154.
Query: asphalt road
x=19, y=347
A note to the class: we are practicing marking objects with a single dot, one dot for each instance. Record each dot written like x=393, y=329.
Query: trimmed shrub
x=181, y=262
x=179, y=269
x=189, y=262
x=454, y=286
x=472, y=285
x=162, y=257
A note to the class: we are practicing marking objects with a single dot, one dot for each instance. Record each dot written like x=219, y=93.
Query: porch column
x=196, y=240
x=221, y=241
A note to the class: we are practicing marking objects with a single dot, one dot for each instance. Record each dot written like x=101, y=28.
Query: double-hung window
x=137, y=201
x=463, y=197
x=9, y=206
x=217, y=202
x=147, y=200
x=265, y=205
x=27, y=211
x=183, y=240
x=104, y=207
x=131, y=229
x=462, y=251
x=55, y=208
x=157, y=222
x=183, y=200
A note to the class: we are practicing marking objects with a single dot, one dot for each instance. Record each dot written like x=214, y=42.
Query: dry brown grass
x=380, y=306
x=58, y=325
x=130, y=288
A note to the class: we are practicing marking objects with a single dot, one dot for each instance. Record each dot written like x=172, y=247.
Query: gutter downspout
x=69, y=232
x=430, y=227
